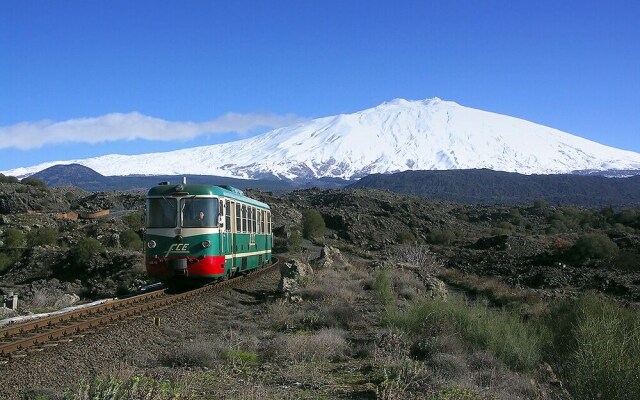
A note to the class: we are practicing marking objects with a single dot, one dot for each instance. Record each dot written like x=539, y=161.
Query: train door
x=236, y=235
x=226, y=233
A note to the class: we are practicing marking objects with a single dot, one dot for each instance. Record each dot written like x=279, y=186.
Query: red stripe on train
x=210, y=266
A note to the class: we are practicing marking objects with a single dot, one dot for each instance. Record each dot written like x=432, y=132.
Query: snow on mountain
x=395, y=136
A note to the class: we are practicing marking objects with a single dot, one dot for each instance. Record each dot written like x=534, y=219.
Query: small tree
x=313, y=225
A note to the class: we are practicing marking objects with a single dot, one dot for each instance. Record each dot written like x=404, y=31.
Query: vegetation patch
x=596, y=342
x=313, y=225
x=135, y=387
x=517, y=343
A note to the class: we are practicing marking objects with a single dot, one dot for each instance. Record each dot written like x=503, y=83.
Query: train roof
x=181, y=190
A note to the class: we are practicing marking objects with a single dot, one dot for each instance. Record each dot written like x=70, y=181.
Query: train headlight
x=206, y=244
x=151, y=244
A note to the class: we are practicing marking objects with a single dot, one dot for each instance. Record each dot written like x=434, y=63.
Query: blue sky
x=74, y=73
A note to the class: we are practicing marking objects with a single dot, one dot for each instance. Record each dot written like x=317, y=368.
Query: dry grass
x=325, y=345
x=495, y=290
x=198, y=353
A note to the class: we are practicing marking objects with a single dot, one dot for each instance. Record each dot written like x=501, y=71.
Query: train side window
x=269, y=222
x=220, y=212
x=253, y=219
x=227, y=216
x=244, y=218
x=259, y=222
x=238, y=217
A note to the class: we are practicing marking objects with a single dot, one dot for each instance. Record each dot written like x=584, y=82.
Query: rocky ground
x=314, y=331
x=327, y=335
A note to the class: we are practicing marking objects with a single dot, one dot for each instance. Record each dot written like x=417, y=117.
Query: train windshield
x=161, y=213
x=199, y=212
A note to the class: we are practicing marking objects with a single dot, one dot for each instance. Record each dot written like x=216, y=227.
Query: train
x=204, y=232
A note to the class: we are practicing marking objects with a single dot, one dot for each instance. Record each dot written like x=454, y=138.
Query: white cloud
x=130, y=126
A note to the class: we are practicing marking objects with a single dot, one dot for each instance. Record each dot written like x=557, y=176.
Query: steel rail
x=64, y=327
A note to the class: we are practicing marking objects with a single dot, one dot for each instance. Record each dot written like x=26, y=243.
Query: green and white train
x=205, y=231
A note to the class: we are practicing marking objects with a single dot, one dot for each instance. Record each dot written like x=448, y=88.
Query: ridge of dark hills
x=482, y=186
x=92, y=181
x=471, y=186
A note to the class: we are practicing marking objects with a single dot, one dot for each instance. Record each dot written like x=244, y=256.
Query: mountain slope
x=395, y=136
x=494, y=187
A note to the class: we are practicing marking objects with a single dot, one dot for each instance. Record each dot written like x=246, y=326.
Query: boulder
x=293, y=274
x=436, y=289
x=66, y=300
x=330, y=257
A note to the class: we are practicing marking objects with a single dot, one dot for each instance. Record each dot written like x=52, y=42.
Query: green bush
x=134, y=221
x=294, y=241
x=313, y=225
x=593, y=246
x=383, y=288
x=42, y=237
x=5, y=261
x=134, y=387
x=540, y=204
x=444, y=236
x=240, y=357
x=86, y=248
x=519, y=344
x=596, y=342
x=406, y=237
x=13, y=237
x=34, y=182
x=130, y=240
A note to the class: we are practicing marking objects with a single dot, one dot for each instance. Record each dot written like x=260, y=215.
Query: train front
x=183, y=232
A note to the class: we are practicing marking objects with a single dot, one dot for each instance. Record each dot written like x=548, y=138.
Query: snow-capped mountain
x=395, y=136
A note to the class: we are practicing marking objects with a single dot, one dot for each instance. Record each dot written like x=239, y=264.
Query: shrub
x=594, y=246
x=418, y=256
x=5, y=261
x=42, y=237
x=517, y=343
x=597, y=344
x=328, y=344
x=384, y=288
x=132, y=387
x=13, y=237
x=540, y=203
x=131, y=240
x=34, y=182
x=85, y=249
x=294, y=241
x=240, y=357
x=406, y=237
x=134, y=220
x=313, y=225
x=194, y=354
x=444, y=236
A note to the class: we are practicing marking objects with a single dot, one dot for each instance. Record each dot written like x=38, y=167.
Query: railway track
x=18, y=340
